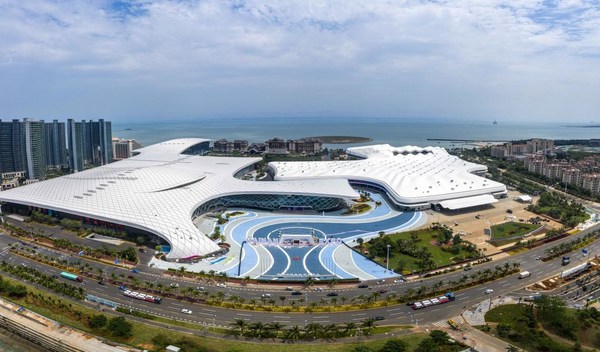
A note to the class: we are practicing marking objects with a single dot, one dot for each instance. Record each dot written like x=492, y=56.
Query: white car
x=186, y=311
x=488, y=291
x=221, y=285
x=266, y=295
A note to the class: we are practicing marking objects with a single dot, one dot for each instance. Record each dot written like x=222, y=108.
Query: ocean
x=397, y=132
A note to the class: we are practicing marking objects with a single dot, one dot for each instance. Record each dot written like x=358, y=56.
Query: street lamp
x=387, y=260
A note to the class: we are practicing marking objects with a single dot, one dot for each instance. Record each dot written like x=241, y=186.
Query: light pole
x=387, y=260
x=214, y=316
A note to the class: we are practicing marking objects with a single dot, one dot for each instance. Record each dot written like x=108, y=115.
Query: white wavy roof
x=158, y=191
x=412, y=175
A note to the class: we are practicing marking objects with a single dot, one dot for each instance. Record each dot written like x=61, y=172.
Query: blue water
x=396, y=132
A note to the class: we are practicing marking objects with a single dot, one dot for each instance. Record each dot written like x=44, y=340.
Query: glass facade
x=289, y=202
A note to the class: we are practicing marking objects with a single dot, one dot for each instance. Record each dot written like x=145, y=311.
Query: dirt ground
x=466, y=222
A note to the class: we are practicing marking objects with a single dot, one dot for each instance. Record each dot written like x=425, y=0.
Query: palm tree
x=282, y=299
x=313, y=330
x=349, y=328
x=309, y=281
x=512, y=348
x=181, y=270
x=258, y=329
x=293, y=333
x=239, y=324
x=368, y=324
x=276, y=327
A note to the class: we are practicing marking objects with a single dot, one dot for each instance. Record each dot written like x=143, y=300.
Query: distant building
x=591, y=182
x=276, y=146
x=123, y=148
x=536, y=166
x=56, y=148
x=532, y=146
x=542, y=146
x=572, y=176
x=304, y=146
x=225, y=146
x=22, y=148
x=90, y=143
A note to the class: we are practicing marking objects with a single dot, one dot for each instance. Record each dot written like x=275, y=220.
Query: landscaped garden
x=512, y=229
x=419, y=250
x=535, y=327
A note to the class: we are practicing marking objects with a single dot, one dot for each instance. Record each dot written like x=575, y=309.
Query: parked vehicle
x=70, y=276
x=434, y=301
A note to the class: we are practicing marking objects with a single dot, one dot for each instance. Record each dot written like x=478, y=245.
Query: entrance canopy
x=461, y=203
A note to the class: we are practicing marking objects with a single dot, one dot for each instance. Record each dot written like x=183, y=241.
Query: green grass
x=507, y=314
x=440, y=257
x=511, y=229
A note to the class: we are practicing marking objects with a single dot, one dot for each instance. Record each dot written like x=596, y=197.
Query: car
x=133, y=277
x=410, y=303
x=134, y=270
x=538, y=257
x=380, y=282
x=265, y=295
x=467, y=268
x=101, y=282
x=122, y=288
x=319, y=289
x=488, y=291
x=289, y=289
x=383, y=290
x=332, y=294
x=174, y=285
x=220, y=284
x=379, y=317
x=200, y=288
x=363, y=286
x=296, y=293
x=186, y=311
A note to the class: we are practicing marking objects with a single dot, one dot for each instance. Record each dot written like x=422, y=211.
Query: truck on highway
x=524, y=274
x=70, y=276
x=434, y=301
x=142, y=296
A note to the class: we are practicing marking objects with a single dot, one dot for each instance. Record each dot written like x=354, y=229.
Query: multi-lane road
x=396, y=314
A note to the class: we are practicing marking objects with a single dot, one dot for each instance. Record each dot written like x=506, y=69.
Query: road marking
x=244, y=314
x=209, y=310
x=397, y=313
x=178, y=305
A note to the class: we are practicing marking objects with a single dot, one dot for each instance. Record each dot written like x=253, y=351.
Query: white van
x=524, y=274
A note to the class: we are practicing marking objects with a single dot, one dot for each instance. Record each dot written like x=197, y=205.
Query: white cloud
x=380, y=58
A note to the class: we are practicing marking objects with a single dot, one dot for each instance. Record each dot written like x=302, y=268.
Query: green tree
x=120, y=327
x=393, y=345
x=440, y=337
x=512, y=348
x=427, y=345
x=98, y=321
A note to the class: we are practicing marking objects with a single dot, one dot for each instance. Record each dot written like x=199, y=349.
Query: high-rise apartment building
x=22, y=147
x=90, y=143
x=35, y=149
x=12, y=146
x=56, y=149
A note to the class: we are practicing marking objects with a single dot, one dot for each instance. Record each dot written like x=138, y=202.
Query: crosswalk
x=444, y=322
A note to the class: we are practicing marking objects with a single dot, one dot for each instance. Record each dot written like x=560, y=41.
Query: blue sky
x=519, y=60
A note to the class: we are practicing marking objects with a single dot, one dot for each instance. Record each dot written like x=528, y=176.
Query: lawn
x=406, y=263
x=512, y=229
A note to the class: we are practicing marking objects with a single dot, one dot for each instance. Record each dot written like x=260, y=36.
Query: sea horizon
x=397, y=132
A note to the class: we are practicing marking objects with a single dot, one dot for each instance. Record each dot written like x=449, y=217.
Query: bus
x=70, y=276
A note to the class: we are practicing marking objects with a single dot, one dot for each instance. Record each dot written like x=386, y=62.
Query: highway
x=397, y=314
